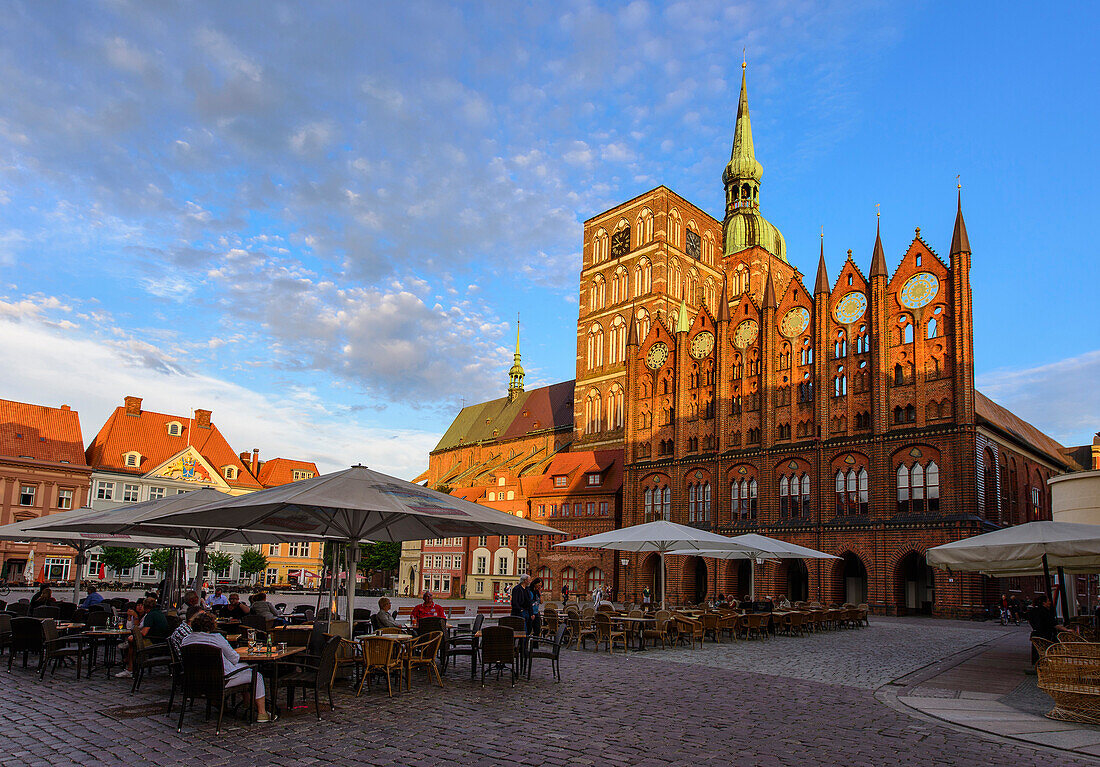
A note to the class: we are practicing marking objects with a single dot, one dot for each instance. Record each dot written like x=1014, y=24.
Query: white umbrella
x=356, y=505
x=31, y=530
x=765, y=548
x=660, y=536
x=28, y=571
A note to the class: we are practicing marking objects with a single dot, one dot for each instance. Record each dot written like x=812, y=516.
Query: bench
x=1070, y=674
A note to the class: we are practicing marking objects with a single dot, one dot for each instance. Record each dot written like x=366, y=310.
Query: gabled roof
x=1011, y=425
x=280, y=471
x=576, y=467
x=146, y=432
x=548, y=407
x=41, y=432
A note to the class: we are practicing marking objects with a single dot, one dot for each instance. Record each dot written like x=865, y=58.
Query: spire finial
x=515, y=373
x=822, y=283
x=878, y=257
x=960, y=243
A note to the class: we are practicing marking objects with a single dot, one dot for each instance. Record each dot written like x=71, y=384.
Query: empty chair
x=608, y=634
x=380, y=656
x=59, y=648
x=67, y=609
x=514, y=622
x=46, y=611
x=464, y=644
x=26, y=638
x=551, y=650
x=422, y=654
x=498, y=649
x=80, y=615
x=314, y=676
x=5, y=631
x=19, y=608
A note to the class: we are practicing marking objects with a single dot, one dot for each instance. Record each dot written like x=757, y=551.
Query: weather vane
x=877, y=211
x=744, y=58
x=958, y=181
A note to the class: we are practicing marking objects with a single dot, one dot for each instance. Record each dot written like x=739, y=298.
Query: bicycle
x=5, y=589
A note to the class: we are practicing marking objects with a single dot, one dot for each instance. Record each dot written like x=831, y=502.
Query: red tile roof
x=280, y=471
x=576, y=467
x=1013, y=426
x=41, y=432
x=146, y=432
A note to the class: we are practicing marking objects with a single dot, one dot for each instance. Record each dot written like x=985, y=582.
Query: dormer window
x=561, y=481
x=132, y=459
x=175, y=429
x=296, y=474
x=500, y=481
x=229, y=472
x=593, y=480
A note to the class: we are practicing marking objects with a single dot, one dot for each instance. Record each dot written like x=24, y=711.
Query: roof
x=147, y=433
x=280, y=471
x=41, y=432
x=548, y=407
x=576, y=467
x=1011, y=425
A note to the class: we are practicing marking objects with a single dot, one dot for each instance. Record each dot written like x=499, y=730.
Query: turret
x=515, y=373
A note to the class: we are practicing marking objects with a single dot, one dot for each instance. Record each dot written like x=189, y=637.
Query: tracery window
x=918, y=488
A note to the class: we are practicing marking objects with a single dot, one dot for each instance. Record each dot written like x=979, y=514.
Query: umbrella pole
x=752, y=578
x=662, y=580
x=1062, y=590
x=80, y=551
x=200, y=568
x=1046, y=574
x=353, y=571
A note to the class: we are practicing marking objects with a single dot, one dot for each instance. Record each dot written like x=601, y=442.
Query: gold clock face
x=919, y=290
x=850, y=308
x=656, y=356
x=702, y=344
x=745, y=334
x=795, y=322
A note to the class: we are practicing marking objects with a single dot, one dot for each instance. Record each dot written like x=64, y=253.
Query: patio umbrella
x=31, y=531
x=1028, y=549
x=766, y=548
x=663, y=537
x=355, y=505
x=28, y=569
x=140, y=519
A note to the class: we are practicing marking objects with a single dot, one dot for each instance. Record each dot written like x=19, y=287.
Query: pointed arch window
x=616, y=350
x=676, y=282
x=597, y=295
x=643, y=278
x=666, y=503
x=593, y=410
x=615, y=407
x=784, y=497
x=645, y=227
x=918, y=488
x=620, y=284
x=675, y=229
x=595, y=346
x=599, y=246
x=840, y=346
x=692, y=294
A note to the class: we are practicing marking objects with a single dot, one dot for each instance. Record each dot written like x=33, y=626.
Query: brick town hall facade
x=717, y=388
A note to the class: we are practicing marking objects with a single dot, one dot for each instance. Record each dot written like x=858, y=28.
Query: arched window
x=704, y=502
x=932, y=328
x=645, y=227
x=709, y=295
x=569, y=580
x=648, y=496
x=616, y=351
x=863, y=490
x=691, y=502
x=784, y=497
x=807, y=355
x=989, y=485
x=592, y=412
x=840, y=347
x=692, y=294
x=597, y=295
x=599, y=246
x=547, y=579
x=593, y=579
x=643, y=278
x=643, y=324
x=620, y=283
x=595, y=346
x=708, y=249
x=752, y=499
x=918, y=488
x=840, y=383
x=804, y=511
x=675, y=229
x=863, y=342
x=666, y=503
x=905, y=329
x=676, y=281
x=615, y=407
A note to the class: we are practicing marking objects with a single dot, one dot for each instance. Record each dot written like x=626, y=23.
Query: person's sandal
x=267, y=718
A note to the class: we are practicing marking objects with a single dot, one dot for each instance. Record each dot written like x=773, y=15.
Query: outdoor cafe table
x=109, y=638
x=635, y=626
x=263, y=655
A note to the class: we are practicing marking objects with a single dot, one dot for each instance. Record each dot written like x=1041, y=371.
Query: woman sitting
x=204, y=628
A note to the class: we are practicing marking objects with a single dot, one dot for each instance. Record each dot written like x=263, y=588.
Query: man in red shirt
x=427, y=609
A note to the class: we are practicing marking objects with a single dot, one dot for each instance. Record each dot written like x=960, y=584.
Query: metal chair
x=147, y=656
x=26, y=638
x=46, y=611
x=498, y=649
x=464, y=644
x=314, y=676
x=59, y=648
x=204, y=676
x=553, y=654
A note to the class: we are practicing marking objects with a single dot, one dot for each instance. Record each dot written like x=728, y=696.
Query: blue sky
x=319, y=220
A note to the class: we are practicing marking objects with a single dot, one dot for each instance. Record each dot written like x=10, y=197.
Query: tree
x=379, y=557
x=119, y=558
x=253, y=561
x=219, y=561
x=161, y=559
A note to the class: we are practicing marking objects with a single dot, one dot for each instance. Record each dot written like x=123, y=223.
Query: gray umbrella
x=82, y=543
x=354, y=505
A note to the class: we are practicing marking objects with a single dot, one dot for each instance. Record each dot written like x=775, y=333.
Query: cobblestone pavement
x=868, y=657
x=609, y=710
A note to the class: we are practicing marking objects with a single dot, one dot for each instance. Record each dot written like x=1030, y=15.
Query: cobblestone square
x=657, y=708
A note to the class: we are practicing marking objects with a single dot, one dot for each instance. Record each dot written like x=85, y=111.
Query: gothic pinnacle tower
x=515, y=373
x=744, y=226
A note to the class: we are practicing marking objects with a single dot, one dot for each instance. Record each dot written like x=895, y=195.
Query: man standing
x=521, y=600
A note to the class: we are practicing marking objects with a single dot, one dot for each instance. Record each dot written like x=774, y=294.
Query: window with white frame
x=92, y=568
x=483, y=540
x=175, y=428
x=64, y=498
x=26, y=495
x=146, y=569
x=272, y=576
x=131, y=459
x=273, y=549
x=593, y=479
x=230, y=472
x=481, y=565
x=427, y=583
x=297, y=474
x=156, y=493
x=57, y=568
x=502, y=565
x=521, y=565
x=447, y=561
x=299, y=549
x=438, y=561
x=458, y=561
x=561, y=481
x=522, y=541
x=180, y=490
x=500, y=481
x=104, y=491
x=479, y=587
x=130, y=493
x=223, y=574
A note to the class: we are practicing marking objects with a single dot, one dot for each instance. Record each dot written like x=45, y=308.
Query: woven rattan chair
x=59, y=649
x=422, y=654
x=580, y=629
x=689, y=628
x=550, y=621
x=514, y=622
x=1076, y=649
x=498, y=649
x=204, y=677
x=862, y=613
x=431, y=624
x=710, y=623
x=380, y=656
x=391, y=631
x=147, y=656
x=46, y=611
x=588, y=612
x=26, y=638
x=756, y=624
x=658, y=631
x=608, y=634
x=310, y=676
x=1073, y=681
x=551, y=650
x=1068, y=636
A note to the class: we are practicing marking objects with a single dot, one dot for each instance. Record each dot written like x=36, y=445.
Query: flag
x=102, y=572
x=41, y=577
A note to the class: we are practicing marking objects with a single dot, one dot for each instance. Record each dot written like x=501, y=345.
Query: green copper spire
x=743, y=165
x=515, y=374
x=683, y=325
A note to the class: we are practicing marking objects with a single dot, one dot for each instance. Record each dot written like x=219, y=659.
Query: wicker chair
x=607, y=633
x=313, y=676
x=431, y=625
x=46, y=611
x=26, y=638
x=1068, y=636
x=711, y=626
x=59, y=649
x=1071, y=676
x=550, y=621
x=204, y=676
x=514, y=622
x=498, y=649
x=553, y=654
x=756, y=624
x=5, y=631
x=659, y=630
x=580, y=629
x=380, y=655
x=422, y=654
x=147, y=656
x=689, y=628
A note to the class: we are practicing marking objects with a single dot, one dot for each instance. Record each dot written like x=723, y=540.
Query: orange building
x=300, y=562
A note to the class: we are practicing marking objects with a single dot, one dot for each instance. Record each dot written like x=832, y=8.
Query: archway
x=850, y=581
x=700, y=580
x=915, y=585
x=798, y=581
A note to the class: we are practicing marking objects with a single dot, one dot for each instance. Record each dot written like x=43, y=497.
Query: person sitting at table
x=1044, y=622
x=237, y=608
x=219, y=599
x=383, y=619
x=783, y=603
x=746, y=604
x=184, y=629
x=260, y=606
x=766, y=606
x=191, y=599
x=204, y=631
x=427, y=609
x=43, y=597
x=93, y=598
x=153, y=626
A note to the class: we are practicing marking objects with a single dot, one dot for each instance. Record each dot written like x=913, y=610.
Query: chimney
x=65, y=407
x=244, y=458
x=133, y=405
x=202, y=419
x=255, y=461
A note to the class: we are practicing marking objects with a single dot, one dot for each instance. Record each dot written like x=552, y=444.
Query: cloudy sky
x=319, y=220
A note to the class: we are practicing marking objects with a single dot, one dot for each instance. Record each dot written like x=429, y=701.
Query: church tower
x=515, y=373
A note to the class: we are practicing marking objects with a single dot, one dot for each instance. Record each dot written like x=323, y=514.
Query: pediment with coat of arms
x=189, y=466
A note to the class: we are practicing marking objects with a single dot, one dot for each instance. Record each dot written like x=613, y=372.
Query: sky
x=320, y=220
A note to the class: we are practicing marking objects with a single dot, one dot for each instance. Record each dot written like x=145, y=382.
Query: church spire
x=683, y=325
x=960, y=243
x=769, y=293
x=631, y=335
x=822, y=284
x=743, y=173
x=878, y=259
x=515, y=374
